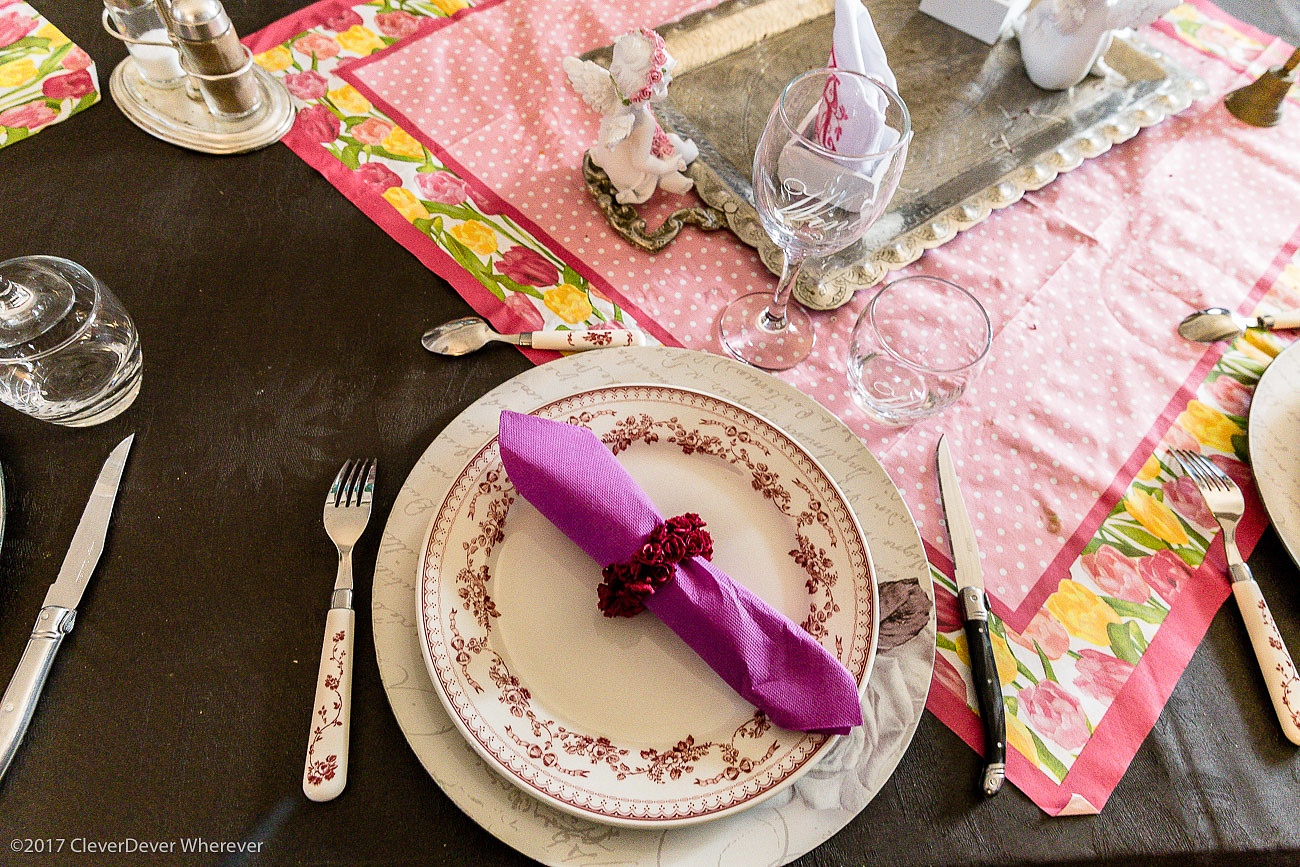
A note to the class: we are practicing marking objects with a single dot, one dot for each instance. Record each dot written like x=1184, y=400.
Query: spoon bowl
x=1218, y=323
x=1212, y=325
x=459, y=336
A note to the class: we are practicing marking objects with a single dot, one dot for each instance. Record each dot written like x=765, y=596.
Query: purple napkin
x=574, y=480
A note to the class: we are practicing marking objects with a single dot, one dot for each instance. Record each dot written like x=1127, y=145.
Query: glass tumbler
x=915, y=347
x=69, y=353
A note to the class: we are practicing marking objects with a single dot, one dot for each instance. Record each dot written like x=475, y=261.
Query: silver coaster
x=171, y=115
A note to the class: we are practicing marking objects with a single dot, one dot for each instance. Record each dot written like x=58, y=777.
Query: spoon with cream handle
x=1218, y=323
x=465, y=335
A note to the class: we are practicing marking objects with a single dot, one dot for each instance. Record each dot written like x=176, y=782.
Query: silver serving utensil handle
x=19, y=702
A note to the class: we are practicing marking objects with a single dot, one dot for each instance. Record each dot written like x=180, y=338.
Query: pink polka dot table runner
x=454, y=127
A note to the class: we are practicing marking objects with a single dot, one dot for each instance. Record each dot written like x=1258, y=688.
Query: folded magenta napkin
x=576, y=483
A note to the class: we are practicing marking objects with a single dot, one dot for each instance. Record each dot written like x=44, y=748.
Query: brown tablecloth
x=179, y=706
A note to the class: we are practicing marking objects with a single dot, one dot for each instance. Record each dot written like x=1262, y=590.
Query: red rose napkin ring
x=628, y=584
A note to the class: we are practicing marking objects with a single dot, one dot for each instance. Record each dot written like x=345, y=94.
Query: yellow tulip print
x=1002, y=657
x=406, y=203
x=1264, y=342
x=450, y=7
x=1210, y=427
x=349, y=100
x=1082, y=612
x=1006, y=662
x=276, y=59
x=1155, y=517
x=1149, y=470
x=568, y=302
x=360, y=40
x=1019, y=738
x=52, y=33
x=17, y=73
x=476, y=235
x=400, y=142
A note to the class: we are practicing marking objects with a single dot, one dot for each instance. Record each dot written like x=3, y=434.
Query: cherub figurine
x=633, y=150
x=1062, y=40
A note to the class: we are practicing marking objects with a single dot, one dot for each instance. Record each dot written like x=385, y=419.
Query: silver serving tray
x=984, y=134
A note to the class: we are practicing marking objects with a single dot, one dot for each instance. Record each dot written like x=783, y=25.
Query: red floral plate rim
x=599, y=775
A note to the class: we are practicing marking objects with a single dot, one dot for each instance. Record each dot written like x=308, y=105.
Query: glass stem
x=774, y=318
x=13, y=296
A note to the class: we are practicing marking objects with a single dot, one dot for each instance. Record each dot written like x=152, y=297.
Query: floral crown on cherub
x=658, y=64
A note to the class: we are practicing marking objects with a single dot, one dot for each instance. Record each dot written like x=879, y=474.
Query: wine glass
x=827, y=163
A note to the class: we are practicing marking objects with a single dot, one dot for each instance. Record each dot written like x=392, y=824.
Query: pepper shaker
x=215, y=57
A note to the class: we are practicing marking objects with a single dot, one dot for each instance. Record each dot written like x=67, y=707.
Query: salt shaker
x=213, y=55
x=142, y=28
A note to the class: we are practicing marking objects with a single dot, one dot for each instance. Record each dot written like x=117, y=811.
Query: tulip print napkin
x=44, y=78
x=573, y=479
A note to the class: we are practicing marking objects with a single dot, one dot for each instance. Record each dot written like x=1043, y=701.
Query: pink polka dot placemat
x=454, y=127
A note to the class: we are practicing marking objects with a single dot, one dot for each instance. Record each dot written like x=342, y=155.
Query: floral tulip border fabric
x=489, y=252
x=1086, y=664
x=1152, y=569
x=44, y=78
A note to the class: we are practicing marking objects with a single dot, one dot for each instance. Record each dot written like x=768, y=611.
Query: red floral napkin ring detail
x=627, y=585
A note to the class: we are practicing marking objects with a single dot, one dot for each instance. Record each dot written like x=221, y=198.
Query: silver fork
x=1225, y=500
x=347, y=511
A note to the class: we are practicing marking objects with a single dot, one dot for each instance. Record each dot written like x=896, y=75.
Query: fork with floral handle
x=347, y=511
x=1225, y=500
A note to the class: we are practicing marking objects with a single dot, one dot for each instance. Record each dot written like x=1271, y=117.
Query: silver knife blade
x=88, y=541
x=59, y=613
x=961, y=533
x=970, y=581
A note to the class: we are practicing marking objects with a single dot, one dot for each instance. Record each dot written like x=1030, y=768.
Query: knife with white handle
x=59, y=611
x=975, y=611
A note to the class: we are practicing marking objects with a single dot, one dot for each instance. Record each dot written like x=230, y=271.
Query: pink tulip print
x=378, y=177
x=1182, y=495
x=1165, y=572
x=307, y=85
x=526, y=315
x=396, y=25
x=318, y=124
x=1101, y=675
x=1116, y=574
x=14, y=26
x=73, y=85
x=1231, y=396
x=528, y=267
x=1045, y=632
x=1055, y=713
x=442, y=187
x=31, y=116
x=317, y=45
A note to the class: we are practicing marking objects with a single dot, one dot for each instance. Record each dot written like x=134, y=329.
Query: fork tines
x=354, y=485
x=1202, y=470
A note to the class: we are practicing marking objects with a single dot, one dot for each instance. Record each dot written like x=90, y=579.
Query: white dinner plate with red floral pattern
x=617, y=720
x=1274, y=448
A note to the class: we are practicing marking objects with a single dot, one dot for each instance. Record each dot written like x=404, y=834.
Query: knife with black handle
x=975, y=612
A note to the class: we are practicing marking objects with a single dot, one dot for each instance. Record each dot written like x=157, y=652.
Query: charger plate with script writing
x=616, y=719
